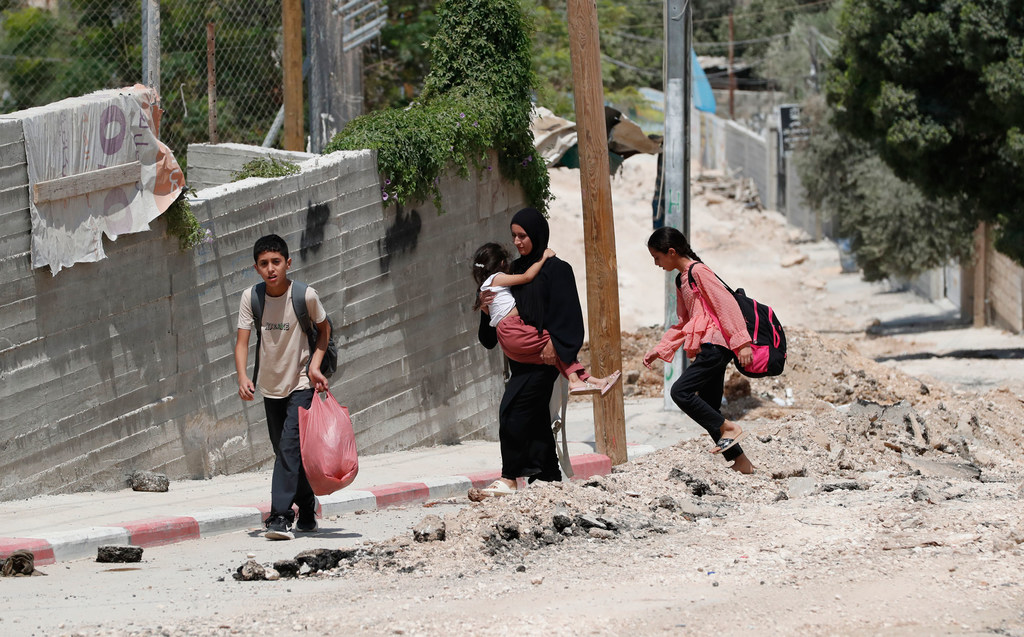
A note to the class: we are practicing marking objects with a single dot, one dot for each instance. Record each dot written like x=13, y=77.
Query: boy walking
x=287, y=373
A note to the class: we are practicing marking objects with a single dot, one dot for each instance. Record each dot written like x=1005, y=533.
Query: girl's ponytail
x=666, y=237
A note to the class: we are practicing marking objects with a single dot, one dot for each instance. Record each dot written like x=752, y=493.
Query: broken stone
x=780, y=496
x=601, y=534
x=119, y=554
x=561, y=520
x=789, y=471
x=319, y=559
x=942, y=469
x=251, y=571
x=589, y=522
x=665, y=502
x=698, y=487
x=430, y=529
x=849, y=485
x=507, y=527
x=799, y=487
x=476, y=495
x=632, y=376
x=18, y=564
x=148, y=481
x=287, y=568
x=272, y=575
x=923, y=494
x=692, y=511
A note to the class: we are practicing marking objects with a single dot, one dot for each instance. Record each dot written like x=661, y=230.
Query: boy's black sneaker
x=279, y=528
x=306, y=523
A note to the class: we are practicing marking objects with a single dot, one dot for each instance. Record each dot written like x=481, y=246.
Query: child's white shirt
x=503, y=302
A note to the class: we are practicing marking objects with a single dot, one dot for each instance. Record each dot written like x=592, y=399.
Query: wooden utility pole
x=598, y=226
x=211, y=79
x=291, y=22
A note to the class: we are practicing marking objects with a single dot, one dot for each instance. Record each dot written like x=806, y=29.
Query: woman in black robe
x=549, y=302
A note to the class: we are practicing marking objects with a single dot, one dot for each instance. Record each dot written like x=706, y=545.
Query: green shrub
x=267, y=168
x=476, y=99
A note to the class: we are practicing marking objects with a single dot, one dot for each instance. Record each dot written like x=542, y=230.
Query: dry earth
x=883, y=503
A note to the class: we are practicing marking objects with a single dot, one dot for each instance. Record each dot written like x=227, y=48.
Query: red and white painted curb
x=69, y=545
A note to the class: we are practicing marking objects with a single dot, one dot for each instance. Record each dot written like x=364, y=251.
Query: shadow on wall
x=313, y=236
x=400, y=238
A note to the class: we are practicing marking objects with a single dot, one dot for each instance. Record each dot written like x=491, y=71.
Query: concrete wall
x=216, y=164
x=1005, y=283
x=127, y=363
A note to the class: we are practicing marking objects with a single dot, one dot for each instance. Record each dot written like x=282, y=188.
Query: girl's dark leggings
x=698, y=392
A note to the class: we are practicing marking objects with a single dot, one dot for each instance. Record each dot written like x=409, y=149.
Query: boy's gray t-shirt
x=284, y=350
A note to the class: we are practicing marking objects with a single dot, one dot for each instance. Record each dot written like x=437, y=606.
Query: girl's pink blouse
x=695, y=326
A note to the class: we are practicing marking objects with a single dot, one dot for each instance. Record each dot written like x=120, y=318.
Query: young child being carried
x=521, y=342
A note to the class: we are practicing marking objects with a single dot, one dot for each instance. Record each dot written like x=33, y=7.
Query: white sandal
x=497, y=488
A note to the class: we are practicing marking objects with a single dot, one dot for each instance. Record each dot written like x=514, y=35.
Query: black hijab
x=531, y=297
x=536, y=227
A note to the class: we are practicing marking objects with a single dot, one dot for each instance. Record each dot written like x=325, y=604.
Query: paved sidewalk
x=72, y=526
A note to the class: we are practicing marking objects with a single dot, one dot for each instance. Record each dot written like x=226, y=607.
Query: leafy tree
x=810, y=43
x=895, y=229
x=937, y=87
x=398, y=61
x=92, y=45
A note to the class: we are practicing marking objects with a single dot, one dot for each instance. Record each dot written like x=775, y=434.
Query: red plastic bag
x=328, y=445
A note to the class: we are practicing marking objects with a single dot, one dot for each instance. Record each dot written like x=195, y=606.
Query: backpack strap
x=302, y=314
x=696, y=291
x=257, y=298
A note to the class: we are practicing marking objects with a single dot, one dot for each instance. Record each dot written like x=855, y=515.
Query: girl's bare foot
x=742, y=464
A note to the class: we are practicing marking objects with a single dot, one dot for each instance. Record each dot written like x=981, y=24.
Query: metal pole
x=151, y=44
x=676, y=149
x=211, y=79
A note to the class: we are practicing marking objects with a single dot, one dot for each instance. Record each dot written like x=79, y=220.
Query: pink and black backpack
x=767, y=338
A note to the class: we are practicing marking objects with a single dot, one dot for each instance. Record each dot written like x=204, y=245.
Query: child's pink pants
x=521, y=343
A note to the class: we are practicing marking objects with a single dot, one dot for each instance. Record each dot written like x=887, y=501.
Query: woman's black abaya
x=549, y=302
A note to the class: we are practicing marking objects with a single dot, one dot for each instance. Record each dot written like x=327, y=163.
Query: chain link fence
x=54, y=49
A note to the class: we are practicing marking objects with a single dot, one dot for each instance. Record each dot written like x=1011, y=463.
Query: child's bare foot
x=742, y=464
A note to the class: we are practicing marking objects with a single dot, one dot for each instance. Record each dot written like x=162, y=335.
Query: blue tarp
x=703, y=98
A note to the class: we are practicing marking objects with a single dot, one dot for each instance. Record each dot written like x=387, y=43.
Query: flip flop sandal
x=585, y=390
x=728, y=443
x=497, y=489
x=614, y=378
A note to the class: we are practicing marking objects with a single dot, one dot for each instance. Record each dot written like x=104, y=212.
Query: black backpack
x=767, y=338
x=329, y=365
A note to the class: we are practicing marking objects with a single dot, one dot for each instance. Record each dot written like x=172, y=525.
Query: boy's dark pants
x=698, y=392
x=289, y=484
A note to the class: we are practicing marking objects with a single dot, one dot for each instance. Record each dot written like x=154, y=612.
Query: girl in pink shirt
x=698, y=392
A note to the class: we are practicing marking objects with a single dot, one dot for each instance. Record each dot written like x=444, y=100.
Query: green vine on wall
x=267, y=168
x=476, y=99
x=182, y=223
